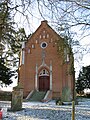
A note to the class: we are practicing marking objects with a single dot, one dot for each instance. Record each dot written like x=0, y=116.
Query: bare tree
x=65, y=13
x=62, y=14
x=68, y=17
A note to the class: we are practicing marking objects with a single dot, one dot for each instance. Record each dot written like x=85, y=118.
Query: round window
x=43, y=45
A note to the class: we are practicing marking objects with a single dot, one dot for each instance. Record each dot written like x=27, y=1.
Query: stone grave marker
x=17, y=98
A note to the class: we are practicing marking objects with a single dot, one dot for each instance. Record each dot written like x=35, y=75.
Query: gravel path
x=47, y=111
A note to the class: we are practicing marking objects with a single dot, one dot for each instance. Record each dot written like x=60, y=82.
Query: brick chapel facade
x=42, y=68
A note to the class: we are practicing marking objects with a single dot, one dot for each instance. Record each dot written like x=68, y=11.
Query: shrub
x=5, y=96
x=59, y=102
x=88, y=95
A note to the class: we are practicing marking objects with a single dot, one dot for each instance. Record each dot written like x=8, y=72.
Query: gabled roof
x=44, y=25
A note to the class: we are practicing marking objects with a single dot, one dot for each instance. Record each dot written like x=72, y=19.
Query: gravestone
x=17, y=98
x=66, y=94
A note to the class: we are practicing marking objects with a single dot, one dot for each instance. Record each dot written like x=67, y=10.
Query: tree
x=10, y=43
x=72, y=12
x=6, y=39
x=7, y=30
x=83, y=81
x=5, y=73
x=20, y=37
x=63, y=15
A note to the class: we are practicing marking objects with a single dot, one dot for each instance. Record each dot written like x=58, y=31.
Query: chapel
x=46, y=65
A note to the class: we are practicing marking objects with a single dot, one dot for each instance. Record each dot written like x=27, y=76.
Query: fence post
x=73, y=110
x=73, y=101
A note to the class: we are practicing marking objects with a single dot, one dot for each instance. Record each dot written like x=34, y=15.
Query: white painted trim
x=43, y=66
x=23, y=56
x=29, y=95
x=46, y=95
x=50, y=75
x=23, y=45
x=36, y=78
x=42, y=44
x=23, y=52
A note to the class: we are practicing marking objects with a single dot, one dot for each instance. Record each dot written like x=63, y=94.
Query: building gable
x=44, y=31
x=42, y=65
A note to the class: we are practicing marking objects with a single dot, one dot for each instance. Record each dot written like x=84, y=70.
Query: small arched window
x=66, y=55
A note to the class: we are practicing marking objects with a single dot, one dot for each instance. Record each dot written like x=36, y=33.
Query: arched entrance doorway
x=44, y=80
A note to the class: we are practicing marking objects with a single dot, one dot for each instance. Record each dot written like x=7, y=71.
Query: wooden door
x=44, y=83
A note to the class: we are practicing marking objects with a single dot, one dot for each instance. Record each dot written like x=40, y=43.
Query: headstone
x=17, y=98
x=66, y=94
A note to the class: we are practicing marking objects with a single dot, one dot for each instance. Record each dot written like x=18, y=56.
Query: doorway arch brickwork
x=43, y=77
x=44, y=80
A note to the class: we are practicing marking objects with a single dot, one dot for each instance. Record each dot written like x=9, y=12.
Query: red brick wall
x=60, y=78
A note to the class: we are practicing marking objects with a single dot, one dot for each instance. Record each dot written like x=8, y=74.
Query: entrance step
x=48, y=96
x=37, y=96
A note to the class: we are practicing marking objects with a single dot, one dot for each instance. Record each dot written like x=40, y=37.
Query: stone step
x=37, y=96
